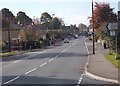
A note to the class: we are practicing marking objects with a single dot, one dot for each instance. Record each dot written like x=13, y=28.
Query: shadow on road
x=47, y=81
x=48, y=55
x=39, y=81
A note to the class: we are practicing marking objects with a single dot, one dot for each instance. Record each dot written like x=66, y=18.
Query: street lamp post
x=118, y=21
x=93, y=30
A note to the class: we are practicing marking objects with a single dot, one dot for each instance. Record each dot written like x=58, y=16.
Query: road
x=60, y=64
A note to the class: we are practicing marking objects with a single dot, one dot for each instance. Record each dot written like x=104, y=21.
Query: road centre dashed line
x=43, y=64
x=34, y=54
x=12, y=80
x=31, y=71
x=51, y=60
x=21, y=60
x=28, y=57
x=40, y=65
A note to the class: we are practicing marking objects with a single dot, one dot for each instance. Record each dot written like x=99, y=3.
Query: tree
x=82, y=27
x=102, y=13
x=28, y=34
x=48, y=36
x=45, y=18
x=57, y=23
x=7, y=18
x=23, y=19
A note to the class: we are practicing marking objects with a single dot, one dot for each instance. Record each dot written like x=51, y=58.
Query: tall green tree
x=57, y=23
x=7, y=17
x=45, y=18
x=23, y=19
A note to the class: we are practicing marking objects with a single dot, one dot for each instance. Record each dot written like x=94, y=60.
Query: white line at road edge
x=12, y=80
x=86, y=65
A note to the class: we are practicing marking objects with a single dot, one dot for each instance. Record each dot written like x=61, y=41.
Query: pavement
x=98, y=66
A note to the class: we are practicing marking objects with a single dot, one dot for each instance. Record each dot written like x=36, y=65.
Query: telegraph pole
x=93, y=29
x=53, y=31
x=9, y=42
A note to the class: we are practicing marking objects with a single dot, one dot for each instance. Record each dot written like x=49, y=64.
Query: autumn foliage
x=102, y=13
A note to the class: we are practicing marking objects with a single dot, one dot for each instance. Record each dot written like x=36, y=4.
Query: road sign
x=112, y=26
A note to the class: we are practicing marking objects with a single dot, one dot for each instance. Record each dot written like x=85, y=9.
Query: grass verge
x=7, y=54
x=113, y=60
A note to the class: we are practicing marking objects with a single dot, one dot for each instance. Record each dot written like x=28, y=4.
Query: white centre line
x=40, y=65
x=21, y=60
x=31, y=71
x=12, y=80
x=43, y=64
x=51, y=60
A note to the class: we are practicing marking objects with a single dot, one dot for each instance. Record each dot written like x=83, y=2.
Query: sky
x=71, y=11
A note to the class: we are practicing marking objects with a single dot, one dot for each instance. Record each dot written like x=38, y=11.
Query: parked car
x=66, y=40
x=76, y=36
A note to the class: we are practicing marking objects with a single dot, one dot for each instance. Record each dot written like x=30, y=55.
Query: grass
x=114, y=61
x=7, y=54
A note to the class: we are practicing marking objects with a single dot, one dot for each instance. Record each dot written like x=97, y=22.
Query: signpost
x=113, y=32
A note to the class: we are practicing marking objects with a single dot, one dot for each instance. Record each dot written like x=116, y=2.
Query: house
x=14, y=31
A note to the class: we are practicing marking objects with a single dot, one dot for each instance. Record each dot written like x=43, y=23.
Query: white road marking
x=56, y=56
x=21, y=60
x=80, y=79
x=63, y=51
x=12, y=80
x=51, y=60
x=60, y=53
x=40, y=65
x=43, y=64
x=31, y=71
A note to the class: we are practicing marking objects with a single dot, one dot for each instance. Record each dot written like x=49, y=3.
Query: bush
x=4, y=47
x=30, y=43
x=46, y=42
